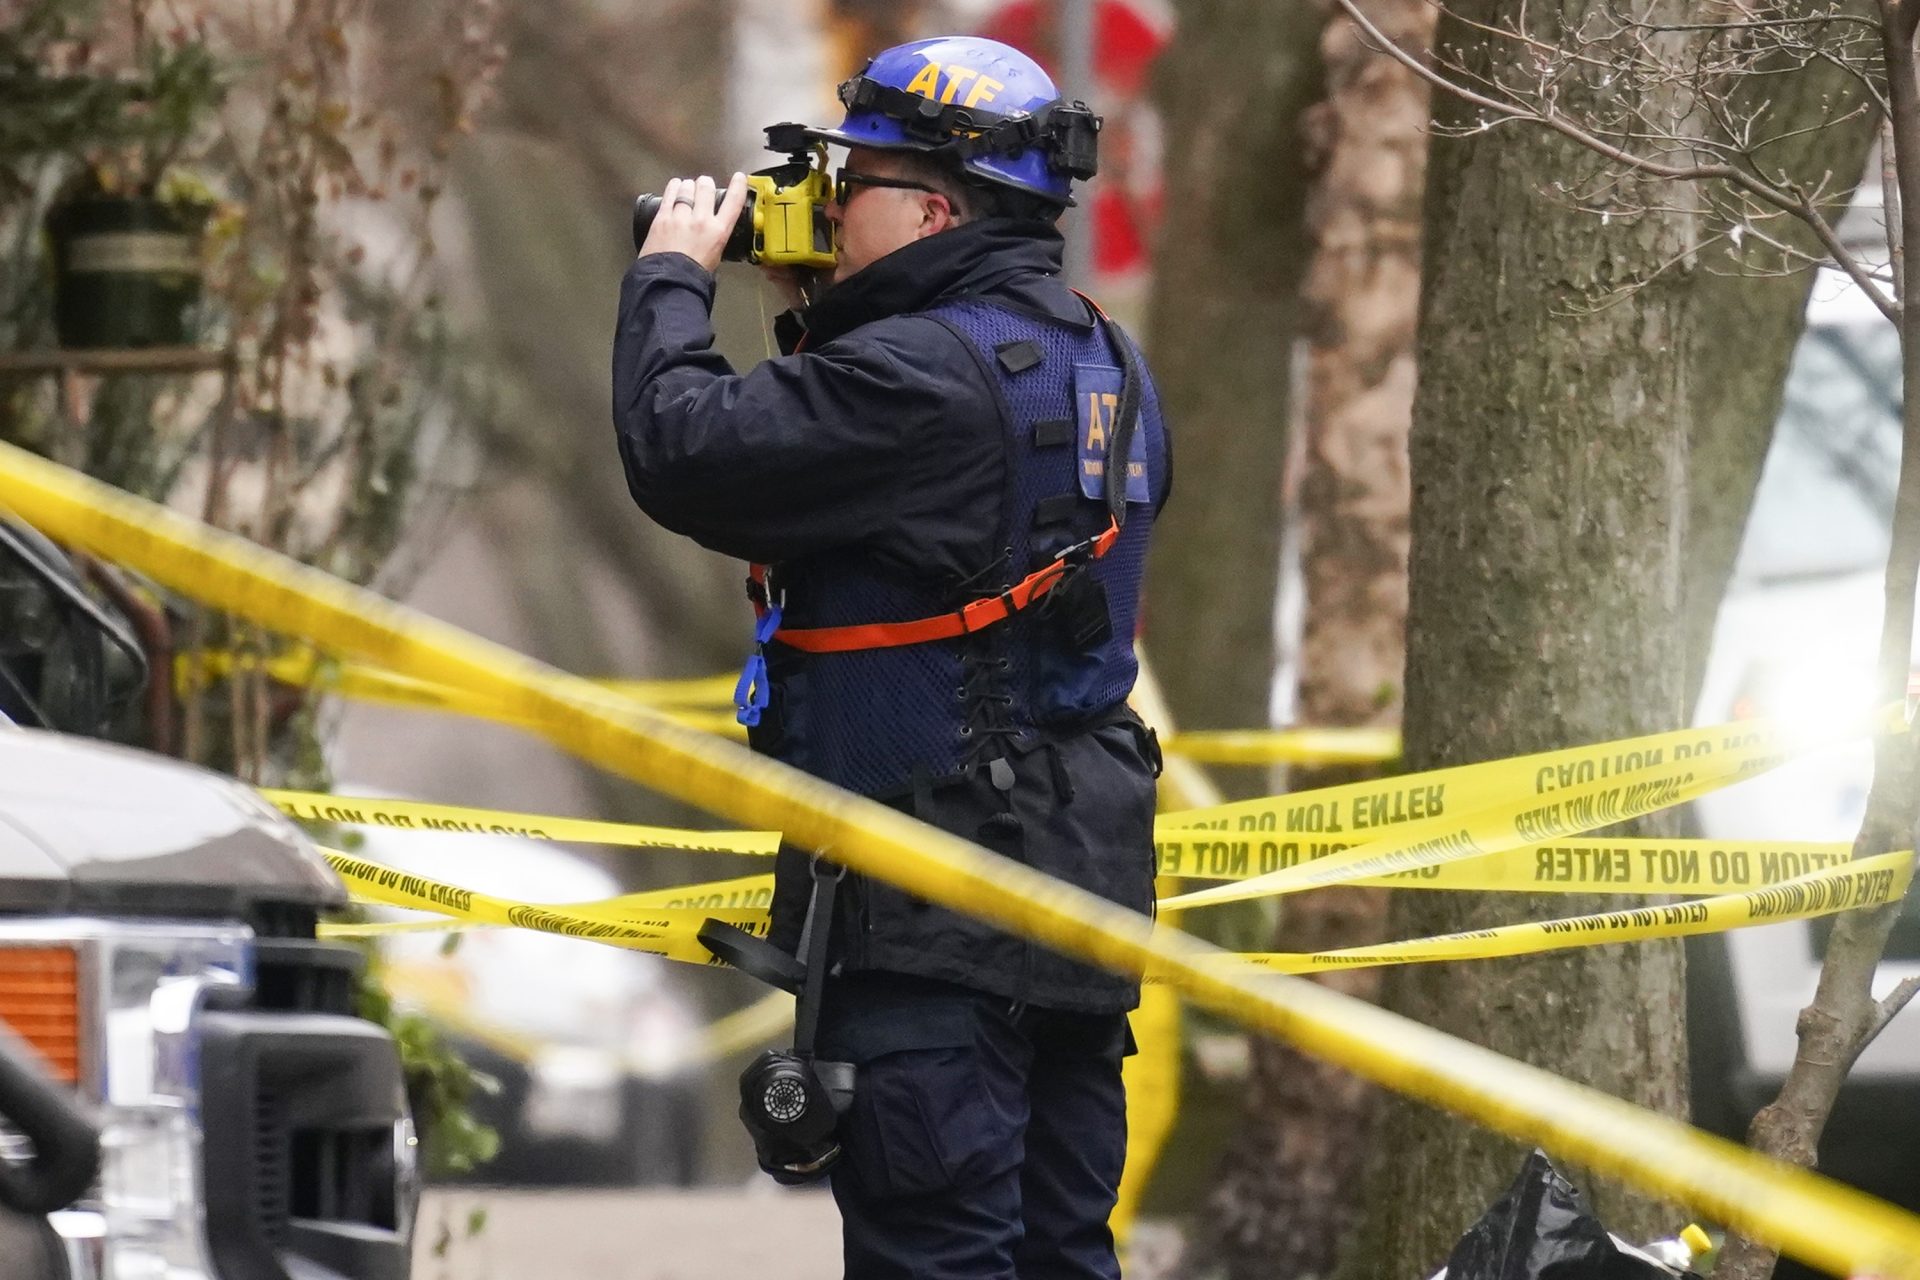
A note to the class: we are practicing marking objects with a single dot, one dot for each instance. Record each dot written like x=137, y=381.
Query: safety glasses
x=845, y=180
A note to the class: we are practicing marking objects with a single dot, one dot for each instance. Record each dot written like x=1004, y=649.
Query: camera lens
x=739, y=245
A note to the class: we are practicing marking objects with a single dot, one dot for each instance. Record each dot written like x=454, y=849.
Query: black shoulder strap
x=814, y=937
x=1126, y=417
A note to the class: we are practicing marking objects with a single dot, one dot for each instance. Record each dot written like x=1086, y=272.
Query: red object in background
x=1125, y=45
x=1124, y=42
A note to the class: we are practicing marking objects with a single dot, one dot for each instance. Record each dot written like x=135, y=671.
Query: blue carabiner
x=750, y=694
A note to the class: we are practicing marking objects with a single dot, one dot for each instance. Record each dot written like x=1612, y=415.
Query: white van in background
x=586, y=1040
x=1796, y=638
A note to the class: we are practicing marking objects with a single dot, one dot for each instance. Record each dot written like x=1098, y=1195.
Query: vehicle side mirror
x=66, y=1144
x=67, y=662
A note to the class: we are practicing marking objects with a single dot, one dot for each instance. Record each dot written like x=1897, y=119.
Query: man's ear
x=937, y=214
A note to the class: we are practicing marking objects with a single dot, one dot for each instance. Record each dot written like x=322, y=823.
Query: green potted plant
x=126, y=231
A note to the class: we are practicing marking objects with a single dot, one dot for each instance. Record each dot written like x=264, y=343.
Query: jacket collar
x=1014, y=261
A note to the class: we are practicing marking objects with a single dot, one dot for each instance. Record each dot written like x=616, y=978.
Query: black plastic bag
x=1541, y=1230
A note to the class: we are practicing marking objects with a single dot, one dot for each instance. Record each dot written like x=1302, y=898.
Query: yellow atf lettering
x=957, y=76
x=925, y=81
x=984, y=90
x=1097, y=424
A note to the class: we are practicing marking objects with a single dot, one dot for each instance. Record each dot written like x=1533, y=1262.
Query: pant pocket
x=920, y=1124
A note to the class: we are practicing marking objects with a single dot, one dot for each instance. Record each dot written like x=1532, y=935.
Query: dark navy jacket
x=883, y=439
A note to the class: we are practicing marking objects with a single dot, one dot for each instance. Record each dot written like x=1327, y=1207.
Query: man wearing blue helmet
x=945, y=487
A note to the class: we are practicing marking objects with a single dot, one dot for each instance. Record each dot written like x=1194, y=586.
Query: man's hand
x=688, y=223
x=789, y=284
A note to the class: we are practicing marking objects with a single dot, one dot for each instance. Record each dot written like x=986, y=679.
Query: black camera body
x=790, y=1100
x=791, y=1105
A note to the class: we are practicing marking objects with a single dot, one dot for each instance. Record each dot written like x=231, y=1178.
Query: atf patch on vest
x=1096, y=394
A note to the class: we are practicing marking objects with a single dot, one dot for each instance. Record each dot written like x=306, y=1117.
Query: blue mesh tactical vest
x=882, y=721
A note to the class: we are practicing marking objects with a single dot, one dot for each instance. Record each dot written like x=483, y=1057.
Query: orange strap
x=977, y=616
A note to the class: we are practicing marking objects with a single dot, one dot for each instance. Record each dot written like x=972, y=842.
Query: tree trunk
x=1222, y=317
x=1287, y=1192
x=1549, y=456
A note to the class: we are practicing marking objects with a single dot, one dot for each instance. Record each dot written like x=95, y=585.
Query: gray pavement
x=631, y=1235
x=746, y=1234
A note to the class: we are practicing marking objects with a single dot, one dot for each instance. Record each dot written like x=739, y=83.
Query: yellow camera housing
x=784, y=223
x=790, y=227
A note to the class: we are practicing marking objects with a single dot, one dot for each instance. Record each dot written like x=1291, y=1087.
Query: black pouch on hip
x=1076, y=612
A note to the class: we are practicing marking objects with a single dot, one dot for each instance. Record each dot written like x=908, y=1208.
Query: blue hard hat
x=983, y=102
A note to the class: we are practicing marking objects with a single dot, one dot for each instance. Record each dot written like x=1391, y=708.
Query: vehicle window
x=1902, y=944
x=1825, y=499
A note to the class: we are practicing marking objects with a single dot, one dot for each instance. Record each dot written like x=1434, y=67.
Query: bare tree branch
x=1889, y=1008
x=1802, y=204
x=1890, y=209
x=1787, y=134
x=1866, y=81
x=1764, y=24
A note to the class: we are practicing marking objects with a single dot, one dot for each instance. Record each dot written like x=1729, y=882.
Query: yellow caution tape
x=664, y=922
x=1592, y=797
x=1378, y=803
x=1851, y=884
x=713, y=692
x=1152, y=1073
x=1286, y=746
x=747, y=893
x=1619, y=866
x=661, y=932
x=1810, y=1217
x=744, y=894
x=419, y=815
x=1568, y=866
x=390, y=928
x=1678, y=867
x=1623, y=865
x=307, y=666
x=363, y=683
x=1867, y=882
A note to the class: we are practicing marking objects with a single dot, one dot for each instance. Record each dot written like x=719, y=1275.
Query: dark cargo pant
x=985, y=1141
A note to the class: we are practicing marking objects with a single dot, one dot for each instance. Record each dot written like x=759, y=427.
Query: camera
x=784, y=222
x=791, y=1106
x=791, y=1100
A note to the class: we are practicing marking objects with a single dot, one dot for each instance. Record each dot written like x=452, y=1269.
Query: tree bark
x=1286, y=1195
x=1222, y=317
x=1549, y=457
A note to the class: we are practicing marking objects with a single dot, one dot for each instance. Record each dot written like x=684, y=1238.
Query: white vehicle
x=157, y=957
x=588, y=1041
x=230, y=1115
x=1796, y=638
